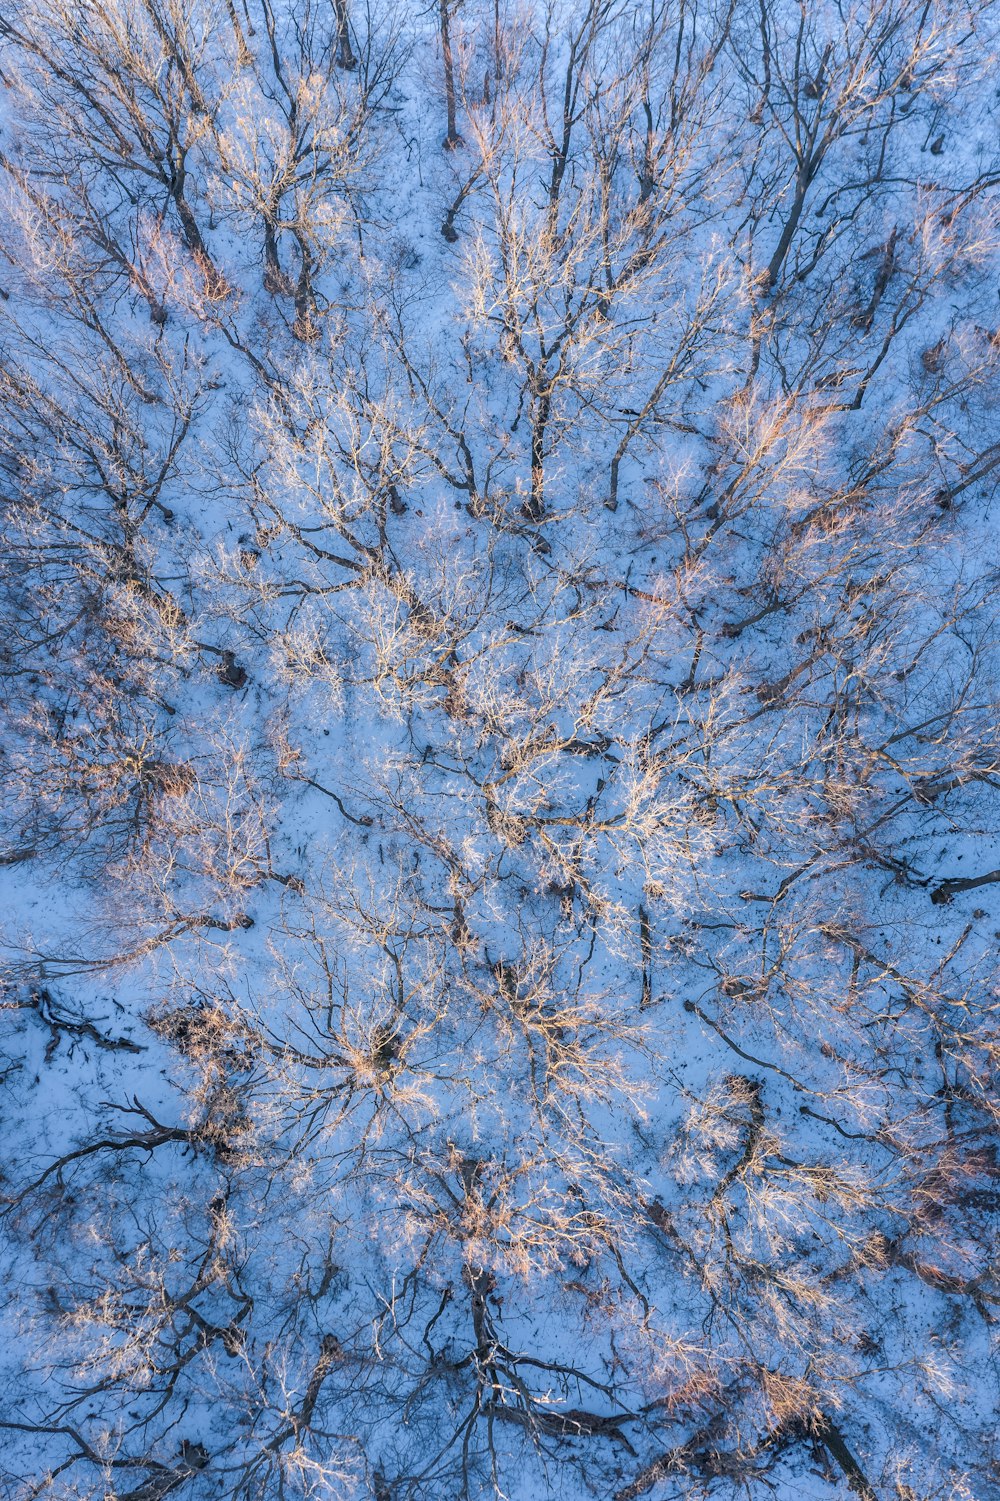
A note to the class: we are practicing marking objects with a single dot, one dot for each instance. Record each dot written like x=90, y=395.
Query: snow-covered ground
x=499, y=664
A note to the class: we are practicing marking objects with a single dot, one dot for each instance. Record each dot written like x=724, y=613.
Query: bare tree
x=499, y=678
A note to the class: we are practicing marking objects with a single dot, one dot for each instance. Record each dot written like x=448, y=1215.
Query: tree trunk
x=274, y=278
x=452, y=139
x=345, y=55
x=536, y=504
x=216, y=282
x=306, y=326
